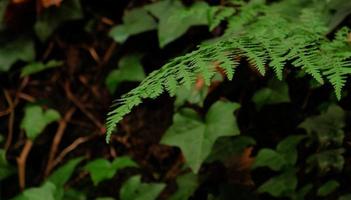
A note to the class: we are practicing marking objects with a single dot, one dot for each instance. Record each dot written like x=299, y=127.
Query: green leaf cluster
x=300, y=41
x=196, y=137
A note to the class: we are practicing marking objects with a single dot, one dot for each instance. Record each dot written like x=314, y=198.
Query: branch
x=57, y=140
x=21, y=162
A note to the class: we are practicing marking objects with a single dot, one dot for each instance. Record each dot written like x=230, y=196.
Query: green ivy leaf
x=192, y=96
x=130, y=69
x=217, y=14
x=283, y=185
x=342, y=8
x=62, y=175
x=327, y=188
x=284, y=156
x=6, y=169
x=345, y=197
x=36, y=67
x=44, y=192
x=3, y=6
x=175, y=19
x=134, y=22
x=51, y=19
x=326, y=161
x=36, y=119
x=187, y=184
x=327, y=127
x=300, y=194
x=102, y=169
x=21, y=49
x=287, y=148
x=196, y=137
x=269, y=158
x=72, y=194
x=276, y=92
x=105, y=198
x=134, y=189
x=226, y=147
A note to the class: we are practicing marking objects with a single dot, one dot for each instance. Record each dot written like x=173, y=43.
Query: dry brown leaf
x=49, y=3
x=246, y=160
x=19, y=1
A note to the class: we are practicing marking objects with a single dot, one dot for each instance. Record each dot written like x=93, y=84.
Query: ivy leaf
x=276, y=92
x=225, y=147
x=134, y=189
x=21, y=49
x=187, y=184
x=269, y=158
x=327, y=188
x=345, y=197
x=342, y=8
x=6, y=169
x=71, y=193
x=192, y=96
x=287, y=148
x=327, y=127
x=175, y=19
x=301, y=193
x=280, y=186
x=105, y=198
x=44, y=192
x=284, y=156
x=51, y=19
x=134, y=22
x=36, y=67
x=102, y=169
x=3, y=6
x=217, y=14
x=62, y=175
x=130, y=69
x=196, y=137
x=326, y=161
x=36, y=119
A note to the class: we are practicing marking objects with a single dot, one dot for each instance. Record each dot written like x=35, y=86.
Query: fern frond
x=226, y=61
x=254, y=52
x=308, y=60
x=268, y=40
x=337, y=60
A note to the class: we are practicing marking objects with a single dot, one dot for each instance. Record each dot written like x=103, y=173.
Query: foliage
x=188, y=126
x=21, y=49
x=248, y=115
x=301, y=42
x=36, y=119
x=36, y=67
x=130, y=69
x=276, y=92
x=5, y=168
x=187, y=184
x=134, y=189
x=101, y=169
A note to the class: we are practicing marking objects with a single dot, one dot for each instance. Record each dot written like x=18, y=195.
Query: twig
x=48, y=50
x=21, y=162
x=108, y=53
x=26, y=97
x=94, y=54
x=11, y=121
x=57, y=140
x=71, y=147
x=82, y=108
x=107, y=21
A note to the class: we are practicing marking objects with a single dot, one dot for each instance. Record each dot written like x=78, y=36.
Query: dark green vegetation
x=252, y=100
